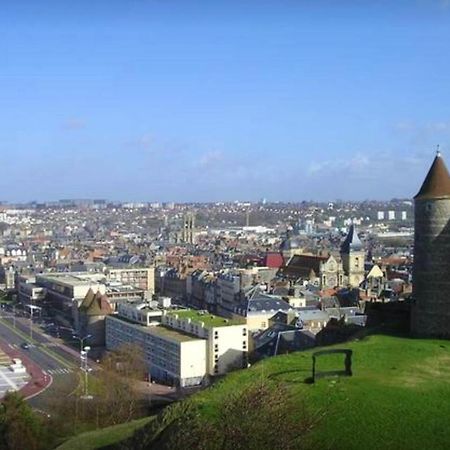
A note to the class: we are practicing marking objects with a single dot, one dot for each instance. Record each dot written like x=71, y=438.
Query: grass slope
x=99, y=438
x=398, y=398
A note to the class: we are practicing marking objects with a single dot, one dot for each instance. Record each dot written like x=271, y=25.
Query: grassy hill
x=92, y=440
x=398, y=398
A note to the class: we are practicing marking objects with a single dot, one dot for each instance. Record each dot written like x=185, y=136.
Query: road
x=52, y=358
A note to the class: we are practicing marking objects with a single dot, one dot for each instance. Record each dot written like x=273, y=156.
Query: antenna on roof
x=438, y=153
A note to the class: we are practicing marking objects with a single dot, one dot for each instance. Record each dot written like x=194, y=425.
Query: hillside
x=92, y=440
x=398, y=397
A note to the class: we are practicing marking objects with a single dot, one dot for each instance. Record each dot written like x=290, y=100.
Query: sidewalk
x=39, y=379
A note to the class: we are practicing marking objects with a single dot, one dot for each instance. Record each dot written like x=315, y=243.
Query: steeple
x=437, y=181
x=352, y=241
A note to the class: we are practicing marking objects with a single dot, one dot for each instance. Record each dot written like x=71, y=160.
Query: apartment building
x=138, y=277
x=182, y=347
x=227, y=339
x=173, y=357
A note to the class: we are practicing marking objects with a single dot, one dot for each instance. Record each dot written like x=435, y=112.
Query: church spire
x=352, y=241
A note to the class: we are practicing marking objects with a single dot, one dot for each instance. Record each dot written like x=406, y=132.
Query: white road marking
x=59, y=371
x=8, y=381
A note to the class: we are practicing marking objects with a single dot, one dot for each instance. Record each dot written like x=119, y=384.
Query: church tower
x=188, y=232
x=353, y=257
x=431, y=271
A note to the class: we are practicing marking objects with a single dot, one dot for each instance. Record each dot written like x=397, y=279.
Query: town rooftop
x=210, y=320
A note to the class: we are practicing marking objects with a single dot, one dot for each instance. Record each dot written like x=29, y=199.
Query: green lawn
x=398, y=398
x=96, y=439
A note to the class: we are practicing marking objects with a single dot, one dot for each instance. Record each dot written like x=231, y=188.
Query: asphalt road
x=50, y=357
x=36, y=353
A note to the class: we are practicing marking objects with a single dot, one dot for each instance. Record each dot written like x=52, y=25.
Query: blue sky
x=221, y=100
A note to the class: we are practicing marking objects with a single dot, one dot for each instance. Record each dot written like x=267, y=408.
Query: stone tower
x=353, y=257
x=431, y=271
x=188, y=233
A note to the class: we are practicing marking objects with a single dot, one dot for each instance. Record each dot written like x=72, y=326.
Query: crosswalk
x=59, y=371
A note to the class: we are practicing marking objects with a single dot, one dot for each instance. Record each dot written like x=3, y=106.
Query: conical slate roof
x=352, y=241
x=437, y=181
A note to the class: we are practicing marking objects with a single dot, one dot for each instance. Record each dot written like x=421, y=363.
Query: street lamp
x=81, y=339
x=31, y=319
x=85, y=368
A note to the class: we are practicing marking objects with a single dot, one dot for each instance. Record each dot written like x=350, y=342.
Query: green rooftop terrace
x=210, y=320
x=158, y=330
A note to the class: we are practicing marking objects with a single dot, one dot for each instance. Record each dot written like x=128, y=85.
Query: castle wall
x=431, y=272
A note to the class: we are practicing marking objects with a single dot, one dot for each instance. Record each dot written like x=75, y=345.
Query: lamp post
x=81, y=340
x=85, y=368
x=31, y=320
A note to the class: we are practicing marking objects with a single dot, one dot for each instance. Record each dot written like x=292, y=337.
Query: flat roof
x=210, y=320
x=160, y=330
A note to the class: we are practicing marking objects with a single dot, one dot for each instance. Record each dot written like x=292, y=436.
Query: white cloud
x=210, y=159
x=353, y=164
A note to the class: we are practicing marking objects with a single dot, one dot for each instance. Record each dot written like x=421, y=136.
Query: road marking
x=60, y=371
x=44, y=350
x=8, y=381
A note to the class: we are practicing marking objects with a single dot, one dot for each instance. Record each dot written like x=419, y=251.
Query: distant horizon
x=201, y=101
x=253, y=202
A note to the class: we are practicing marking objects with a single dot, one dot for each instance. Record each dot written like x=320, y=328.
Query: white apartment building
x=186, y=348
x=227, y=339
x=172, y=357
